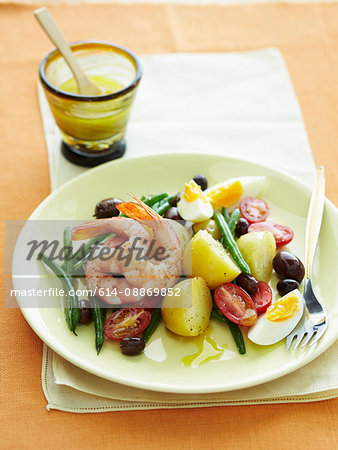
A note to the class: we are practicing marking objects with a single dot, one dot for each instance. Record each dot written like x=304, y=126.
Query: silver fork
x=314, y=320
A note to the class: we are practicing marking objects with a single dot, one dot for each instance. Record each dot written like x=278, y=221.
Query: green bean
x=150, y=200
x=156, y=205
x=233, y=220
x=171, y=198
x=78, y=268
x=68, y=248
x=80, y=273
x=156, y=198
x=146, y=198
x=225, y=214
x=155, y=320
x=161, y=207
x=72, y=310
x=159, y=202
x=234, y=329
x=69, y=312
x=98, y=315
x=231, y=244
x=86, y=248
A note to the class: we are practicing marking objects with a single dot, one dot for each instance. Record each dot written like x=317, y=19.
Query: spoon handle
x=47, y=22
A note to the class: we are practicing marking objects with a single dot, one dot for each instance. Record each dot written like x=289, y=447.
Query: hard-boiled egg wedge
x=194, y=204
x=279, y=320
x=231, y=192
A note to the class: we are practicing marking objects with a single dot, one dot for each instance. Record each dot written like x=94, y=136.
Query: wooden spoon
x=85, y=86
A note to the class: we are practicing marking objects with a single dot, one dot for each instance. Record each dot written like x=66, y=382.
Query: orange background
x=307, y=35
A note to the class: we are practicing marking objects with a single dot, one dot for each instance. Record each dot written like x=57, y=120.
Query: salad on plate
x=206, y=253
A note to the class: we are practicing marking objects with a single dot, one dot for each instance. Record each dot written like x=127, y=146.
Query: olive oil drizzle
x=207, y=350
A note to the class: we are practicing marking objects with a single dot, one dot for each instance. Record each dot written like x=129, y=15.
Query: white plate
x=161, y=368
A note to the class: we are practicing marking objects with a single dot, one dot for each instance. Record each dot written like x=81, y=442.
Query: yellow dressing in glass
x=108, y=85
x=92, y=121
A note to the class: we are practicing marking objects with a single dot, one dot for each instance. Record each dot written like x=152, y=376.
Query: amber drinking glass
x=92, y=128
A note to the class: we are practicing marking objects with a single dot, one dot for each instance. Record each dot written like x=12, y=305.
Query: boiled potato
x=188, y=314
x=258, y=250
x=205, y=257
x=211, y=226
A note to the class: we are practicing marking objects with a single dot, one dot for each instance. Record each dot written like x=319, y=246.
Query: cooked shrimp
x=112, y=289
x=156, y=272
x=158, y=268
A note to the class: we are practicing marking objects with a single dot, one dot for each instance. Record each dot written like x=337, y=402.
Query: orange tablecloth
x=308, y=37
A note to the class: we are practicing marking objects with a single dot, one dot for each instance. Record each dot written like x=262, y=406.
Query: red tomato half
x=263, y=297
x=254, y=209
x=236, y=304
x=126, y=322
x=283, y=234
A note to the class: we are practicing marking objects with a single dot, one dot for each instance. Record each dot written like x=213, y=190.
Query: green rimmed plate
x=170, y=363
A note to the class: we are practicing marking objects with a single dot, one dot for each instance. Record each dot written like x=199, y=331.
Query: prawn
x=158, y=268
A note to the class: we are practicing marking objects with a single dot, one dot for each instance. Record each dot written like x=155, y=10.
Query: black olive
x=173, y=214
x=241, y=227
x=85, y=311
x=132, y=345
x=288, y=266
x=286, y=286
x=248, y=283
x=176, y=199
x=201, y=181
x=107, y=208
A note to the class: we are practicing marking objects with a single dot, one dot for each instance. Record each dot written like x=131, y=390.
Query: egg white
x=195, y=211
x=266, y=332
x=252, y=187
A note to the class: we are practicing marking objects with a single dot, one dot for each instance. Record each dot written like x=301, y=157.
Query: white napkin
x=236, y=104
x=71, y=389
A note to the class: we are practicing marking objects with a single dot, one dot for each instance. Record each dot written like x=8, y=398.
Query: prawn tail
x=138, y=211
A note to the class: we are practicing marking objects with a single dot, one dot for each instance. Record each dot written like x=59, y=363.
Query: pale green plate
x=161, y=368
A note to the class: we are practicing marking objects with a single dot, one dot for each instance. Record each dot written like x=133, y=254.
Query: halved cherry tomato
x=263, y=297
x=126, y=322
x=254, y=209
x=236, y=304
x=283, y=234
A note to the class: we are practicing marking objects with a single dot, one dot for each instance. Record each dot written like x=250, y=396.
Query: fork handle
x=314, y=220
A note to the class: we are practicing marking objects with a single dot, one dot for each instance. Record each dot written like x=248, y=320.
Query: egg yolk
x=283, y=309
x=193, y=191
x=226, y=196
